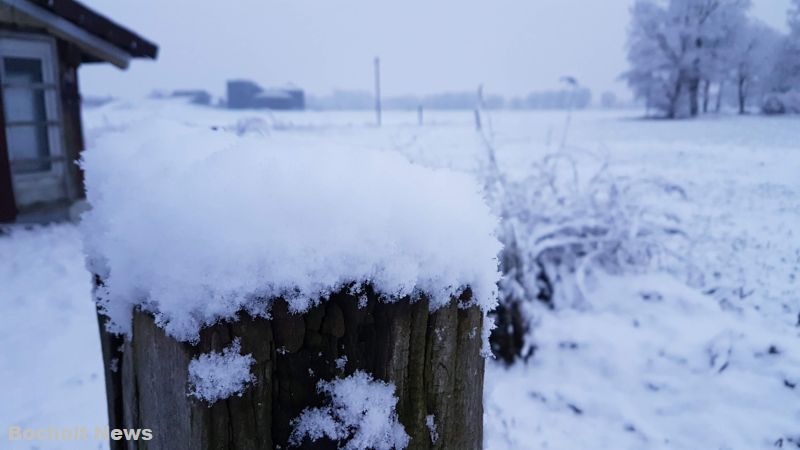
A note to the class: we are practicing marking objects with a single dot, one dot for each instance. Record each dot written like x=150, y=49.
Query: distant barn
x=195, y=96
x=245, y=94
x=42, y=43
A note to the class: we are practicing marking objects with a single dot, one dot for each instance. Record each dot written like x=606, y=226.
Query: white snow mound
x=196, y=224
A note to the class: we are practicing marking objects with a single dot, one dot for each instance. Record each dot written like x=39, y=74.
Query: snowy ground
x=648, y=361
x=50, y=363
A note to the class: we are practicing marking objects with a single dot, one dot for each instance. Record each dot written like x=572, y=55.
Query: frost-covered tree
x=752, y=55
x=787, y=68
x=674, y=46
x=783, y=93
x=657, y=56
x=716, y=52
x=794, y=37
x=712, y=26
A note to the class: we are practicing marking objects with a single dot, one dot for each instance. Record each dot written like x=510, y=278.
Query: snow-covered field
x=707, y=356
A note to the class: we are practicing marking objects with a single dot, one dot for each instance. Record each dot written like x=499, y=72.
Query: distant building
x=42, y=44
x=91, y=101
x=245, y=94
x=195, y=96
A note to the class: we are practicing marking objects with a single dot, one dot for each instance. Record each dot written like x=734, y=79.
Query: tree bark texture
x=432, y=358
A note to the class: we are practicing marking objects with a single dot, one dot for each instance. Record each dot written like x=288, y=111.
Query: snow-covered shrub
x=194, y=225
x=360, y=415
x=217, y=376
x=782, y=103
x=568, y=219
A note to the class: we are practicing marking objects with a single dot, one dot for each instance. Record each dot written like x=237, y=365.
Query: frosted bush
x=360, y=415
x=782, y=103
x=217, y=376
x=196, y=224
x=569, y=219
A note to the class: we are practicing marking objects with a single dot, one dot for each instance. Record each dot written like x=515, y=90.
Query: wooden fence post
x=432, y=358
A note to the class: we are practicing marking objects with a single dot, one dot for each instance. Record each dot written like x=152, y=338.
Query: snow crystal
x=430, y=422
x=195, y=224
x=361, y=412
x=341, y=362
x=217, y=376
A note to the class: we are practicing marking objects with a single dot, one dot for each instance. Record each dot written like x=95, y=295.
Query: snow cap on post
x=195, y=224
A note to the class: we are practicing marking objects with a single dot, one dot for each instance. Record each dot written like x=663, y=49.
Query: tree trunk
x=694, y=96
x=672, y=112
x=742, y=93
x=433, y=359
x=718, y=106
x=706, y=95
x=694, y=80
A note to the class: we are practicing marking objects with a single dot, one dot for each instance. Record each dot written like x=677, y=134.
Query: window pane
x=24, y=104
x=23, y=70
x=28, y=142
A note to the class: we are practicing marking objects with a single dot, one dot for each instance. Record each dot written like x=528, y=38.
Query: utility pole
x=573, y=85
x=378, y=90
x=479, y=108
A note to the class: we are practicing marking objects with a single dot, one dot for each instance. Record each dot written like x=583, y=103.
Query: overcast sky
x=426, y=46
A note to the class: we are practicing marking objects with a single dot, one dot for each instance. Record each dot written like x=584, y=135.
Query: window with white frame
x=31, y=104
x=29, y=74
